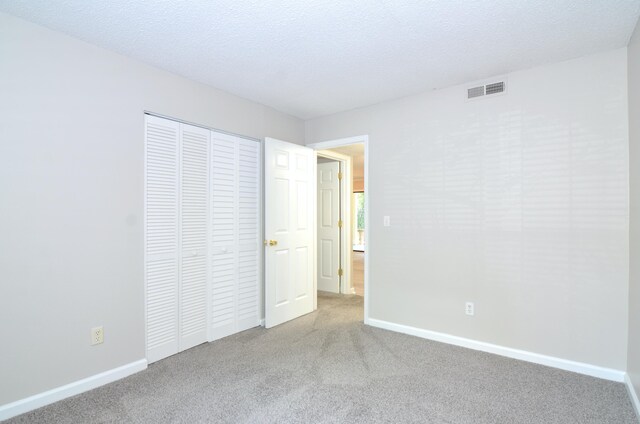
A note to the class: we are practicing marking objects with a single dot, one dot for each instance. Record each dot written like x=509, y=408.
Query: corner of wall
x=632, y=378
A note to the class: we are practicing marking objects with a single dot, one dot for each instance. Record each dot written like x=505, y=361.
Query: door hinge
x=340, y=223
x=340, y=175
x=340, y=272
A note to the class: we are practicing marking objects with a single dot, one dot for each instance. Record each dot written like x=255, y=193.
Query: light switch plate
x=469, y=308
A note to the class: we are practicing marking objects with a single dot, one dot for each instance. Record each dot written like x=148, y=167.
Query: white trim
x=144, y=234
x=315, y=231
x=322, y=145
x=523, y=355
x=367, y=230
x=632, y=395
x=194, y=124
x=54, y=395
x=261, y=247
x=261, y=238
x=364, y=139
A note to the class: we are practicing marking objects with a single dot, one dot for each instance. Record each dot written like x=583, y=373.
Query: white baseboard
x=523, y=355
x=50, y=396
x=632, y=394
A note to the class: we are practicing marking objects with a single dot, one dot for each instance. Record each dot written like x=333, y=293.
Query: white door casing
x=364, y=139
x=289, y=221
x=328, y=228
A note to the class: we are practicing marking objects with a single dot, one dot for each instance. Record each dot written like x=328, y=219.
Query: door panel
x=223, y=236
x=289, y=182
x=161, y=237
x=302, y=273
x=282, y=276
x=303, y=212
x=328, y=229
x=194, y=213
x=281, y=201
x=235, y=236
x=249, y=237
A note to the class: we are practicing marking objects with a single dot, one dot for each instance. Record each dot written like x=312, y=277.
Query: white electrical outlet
x=468, y=308
x=386, y=221
x=97, y=335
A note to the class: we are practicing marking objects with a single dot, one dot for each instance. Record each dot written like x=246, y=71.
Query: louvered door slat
x=248, y=237
x=201, y=235
x=194, y=210
x=235, y=234
x=224, y=228
x=161, y=237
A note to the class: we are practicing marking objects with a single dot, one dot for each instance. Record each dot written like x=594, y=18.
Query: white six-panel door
x=202, y=235
x=289, y=231
x=328, y=228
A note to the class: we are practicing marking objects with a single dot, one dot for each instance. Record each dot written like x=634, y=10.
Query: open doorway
x=358, y=244
x=350, y=156
x=358, y=238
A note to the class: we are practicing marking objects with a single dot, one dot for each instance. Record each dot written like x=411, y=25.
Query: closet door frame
x=259, y=236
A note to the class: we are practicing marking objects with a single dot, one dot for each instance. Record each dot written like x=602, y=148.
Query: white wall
x=518, y=203
x=71, y=190
x=633, y=362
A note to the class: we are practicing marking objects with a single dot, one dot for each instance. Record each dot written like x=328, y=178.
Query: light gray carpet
x=327, y=367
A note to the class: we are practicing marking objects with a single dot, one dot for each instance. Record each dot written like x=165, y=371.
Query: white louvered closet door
x=223, y=234
x=202, y=235
x=161, y=237
x=235, y=221
x=249, y=237
x=194, y=216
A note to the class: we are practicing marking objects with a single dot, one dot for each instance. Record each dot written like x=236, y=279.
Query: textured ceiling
x=316, y=57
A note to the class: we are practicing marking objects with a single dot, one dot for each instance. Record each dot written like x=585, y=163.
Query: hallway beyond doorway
x=357, y=272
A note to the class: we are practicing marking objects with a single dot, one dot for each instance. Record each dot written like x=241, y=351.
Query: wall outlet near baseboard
x=97, y=335
x=468, y=308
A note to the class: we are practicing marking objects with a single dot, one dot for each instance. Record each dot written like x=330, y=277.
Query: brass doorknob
x=271, y=242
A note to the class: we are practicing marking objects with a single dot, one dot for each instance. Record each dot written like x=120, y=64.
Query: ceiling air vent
x=475, y=92
x=497, y=87
x=485, y=90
